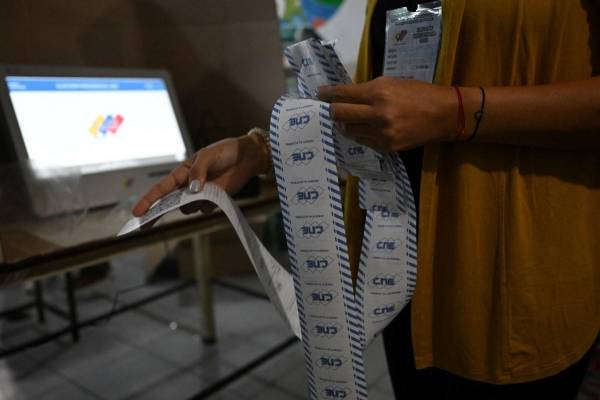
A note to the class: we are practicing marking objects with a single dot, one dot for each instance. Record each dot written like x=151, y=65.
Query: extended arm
x=390, y=114
x=561, y=115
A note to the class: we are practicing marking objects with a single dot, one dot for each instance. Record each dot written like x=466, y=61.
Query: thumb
x=199, y=170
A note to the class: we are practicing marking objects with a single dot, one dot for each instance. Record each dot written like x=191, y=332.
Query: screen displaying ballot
x=95, y=124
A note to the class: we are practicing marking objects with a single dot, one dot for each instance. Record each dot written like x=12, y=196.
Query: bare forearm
x=561, y=116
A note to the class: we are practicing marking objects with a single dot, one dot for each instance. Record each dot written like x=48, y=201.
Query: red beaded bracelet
x=460, y=128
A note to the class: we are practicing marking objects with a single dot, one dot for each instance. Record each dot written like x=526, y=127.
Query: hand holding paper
x=229, y=164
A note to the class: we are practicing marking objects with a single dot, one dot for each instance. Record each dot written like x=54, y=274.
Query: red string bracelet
x=460, y=128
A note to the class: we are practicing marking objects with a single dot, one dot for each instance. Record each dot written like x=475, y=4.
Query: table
x=33, y=248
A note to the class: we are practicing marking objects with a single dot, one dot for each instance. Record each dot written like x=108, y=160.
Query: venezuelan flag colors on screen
x=104, y=125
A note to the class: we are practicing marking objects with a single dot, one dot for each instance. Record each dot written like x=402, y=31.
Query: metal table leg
x=39, y=302
x=73, y=319
x=202, y=271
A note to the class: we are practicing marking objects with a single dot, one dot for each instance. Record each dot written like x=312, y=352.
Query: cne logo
x=380, y=208
x=298, y=121
x=307, y=195
x=388, y=214
x=312, y=230
x=326, y=330
x=401, y=35
x=383, y=311
x=317, y=263
x=105, y=125
x=336, y=392
x=384, y=211
x=384, y=281
x=356, y=150
x=386, y=245
x=330, y=362
x=321, y=297
x=307, y=62
x=302, y=156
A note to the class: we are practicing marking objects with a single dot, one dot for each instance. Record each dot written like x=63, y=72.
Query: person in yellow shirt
x=508, y=294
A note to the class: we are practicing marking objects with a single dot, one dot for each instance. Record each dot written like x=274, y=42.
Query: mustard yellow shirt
x=509, y=254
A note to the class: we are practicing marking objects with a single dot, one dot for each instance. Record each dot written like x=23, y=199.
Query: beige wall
x=224, y=55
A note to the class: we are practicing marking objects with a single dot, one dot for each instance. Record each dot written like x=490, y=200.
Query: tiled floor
x=155, y=352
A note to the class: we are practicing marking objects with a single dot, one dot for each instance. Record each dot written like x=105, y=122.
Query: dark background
x=224, y=55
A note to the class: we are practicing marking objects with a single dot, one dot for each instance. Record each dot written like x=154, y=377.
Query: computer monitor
x=118, y=130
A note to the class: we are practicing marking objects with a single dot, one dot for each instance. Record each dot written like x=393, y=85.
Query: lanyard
x=412, y=42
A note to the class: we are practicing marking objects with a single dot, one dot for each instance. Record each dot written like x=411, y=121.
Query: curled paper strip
x=335, y=319
x=387, y=269
x=276, y=281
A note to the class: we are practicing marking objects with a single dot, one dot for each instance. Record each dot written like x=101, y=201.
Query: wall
x=224, y=55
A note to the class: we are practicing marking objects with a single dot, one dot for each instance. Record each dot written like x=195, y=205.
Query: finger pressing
x=353, y=93
x=175, y=179
x=200, y=167
x=353, y=113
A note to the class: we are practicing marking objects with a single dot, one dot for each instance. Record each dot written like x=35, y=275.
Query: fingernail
x=195, y=186
x=316, y=93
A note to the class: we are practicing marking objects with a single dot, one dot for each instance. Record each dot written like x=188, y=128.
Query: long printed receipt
x=274, y=278
x=335, y=319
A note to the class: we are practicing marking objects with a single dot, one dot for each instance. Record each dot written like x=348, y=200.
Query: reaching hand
x=390, y=114
x=229, y=163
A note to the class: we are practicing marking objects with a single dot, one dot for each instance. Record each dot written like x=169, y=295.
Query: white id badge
x=412, y=42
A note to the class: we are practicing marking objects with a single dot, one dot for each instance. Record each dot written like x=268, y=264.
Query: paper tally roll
x=276, y=281
x=335, y=320
x=338, y=320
